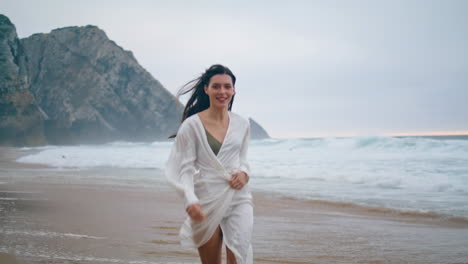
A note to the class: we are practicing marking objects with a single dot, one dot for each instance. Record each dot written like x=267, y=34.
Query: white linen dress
x=202, y=177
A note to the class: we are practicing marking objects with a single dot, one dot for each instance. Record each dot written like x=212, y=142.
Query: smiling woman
x=208, y=167
x=214, y=77
x=220, y=90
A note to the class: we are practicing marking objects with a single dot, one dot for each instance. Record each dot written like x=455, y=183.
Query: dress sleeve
x=180, y=166
x=244, y=165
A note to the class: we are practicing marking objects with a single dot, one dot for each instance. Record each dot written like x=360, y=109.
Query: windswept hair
x=199, y=100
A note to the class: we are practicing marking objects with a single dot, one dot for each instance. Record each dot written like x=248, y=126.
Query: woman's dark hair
x=199, y=100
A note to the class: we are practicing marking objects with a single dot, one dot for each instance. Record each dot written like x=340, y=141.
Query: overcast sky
x=304, y=68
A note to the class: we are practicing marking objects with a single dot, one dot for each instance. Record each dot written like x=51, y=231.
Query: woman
x=208, y=167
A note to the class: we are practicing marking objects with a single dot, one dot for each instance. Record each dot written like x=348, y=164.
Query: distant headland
x=76, y=86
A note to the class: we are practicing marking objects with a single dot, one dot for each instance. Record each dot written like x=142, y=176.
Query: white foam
x=47, y=234
x=28, y=192
x=22, y=199
x=373, y=170
x=71, y=257
x=120, y=155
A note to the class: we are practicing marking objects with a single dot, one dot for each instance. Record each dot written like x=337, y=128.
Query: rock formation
x=20, y=118
x=75, y=86
x=94, y=91
x=256, y=131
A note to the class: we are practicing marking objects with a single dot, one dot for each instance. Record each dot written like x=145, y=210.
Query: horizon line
x=439, y=133
x=396, y=134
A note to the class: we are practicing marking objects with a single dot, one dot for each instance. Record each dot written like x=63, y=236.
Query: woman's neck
x=217, y=115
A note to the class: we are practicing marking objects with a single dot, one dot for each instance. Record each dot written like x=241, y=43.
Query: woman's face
x=220, y=90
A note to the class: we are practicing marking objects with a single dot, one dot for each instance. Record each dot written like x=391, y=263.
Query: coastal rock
x=93, y=91
x=257, y=131
x=21, y=121
x=76, y=86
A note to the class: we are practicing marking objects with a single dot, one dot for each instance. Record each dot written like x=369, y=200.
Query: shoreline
x=61, y=222
x=9, y=155
x=350, y=208
x=130, y=223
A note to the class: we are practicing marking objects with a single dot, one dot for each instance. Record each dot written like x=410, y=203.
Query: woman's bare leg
x=231, y=258
x=210, y=252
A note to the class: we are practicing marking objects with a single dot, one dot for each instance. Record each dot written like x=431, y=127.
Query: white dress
x=202, y=177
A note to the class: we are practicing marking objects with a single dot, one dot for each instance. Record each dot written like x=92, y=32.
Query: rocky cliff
x=257, y=131
x=21, y=121
x=75, y=86
x=94, y=91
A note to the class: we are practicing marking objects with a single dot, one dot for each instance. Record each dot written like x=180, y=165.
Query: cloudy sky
x=304, y=68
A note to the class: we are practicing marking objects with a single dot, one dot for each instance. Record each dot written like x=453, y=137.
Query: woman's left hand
x=238, y=180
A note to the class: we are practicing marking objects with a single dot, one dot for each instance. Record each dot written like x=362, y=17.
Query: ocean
x=414, y=174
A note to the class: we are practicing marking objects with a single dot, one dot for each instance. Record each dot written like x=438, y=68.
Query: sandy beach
x=54, y=220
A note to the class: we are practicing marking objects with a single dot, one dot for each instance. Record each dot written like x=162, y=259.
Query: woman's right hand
x=195, y=212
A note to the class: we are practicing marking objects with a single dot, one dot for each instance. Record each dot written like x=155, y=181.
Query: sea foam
x=411, y=173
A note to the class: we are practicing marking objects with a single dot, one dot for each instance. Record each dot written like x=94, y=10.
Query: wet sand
x=57, y=221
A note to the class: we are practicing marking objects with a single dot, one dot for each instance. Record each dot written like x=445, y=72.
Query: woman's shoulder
x=191, y=119
x=188, y=125
x=240, y=119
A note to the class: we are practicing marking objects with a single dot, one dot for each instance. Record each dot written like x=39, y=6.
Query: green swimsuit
x=213, y=142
